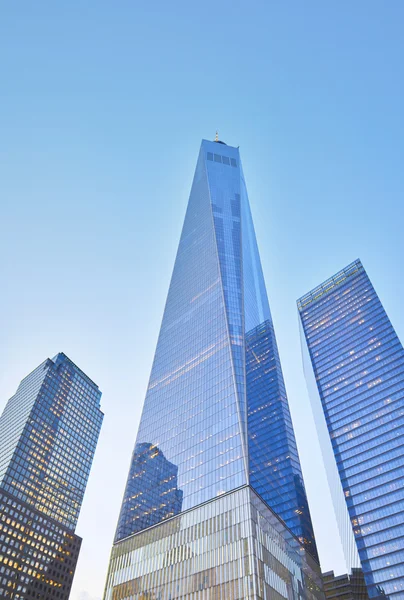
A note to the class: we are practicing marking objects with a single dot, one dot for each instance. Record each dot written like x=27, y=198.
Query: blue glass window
x=358, y=363
x=216, y=415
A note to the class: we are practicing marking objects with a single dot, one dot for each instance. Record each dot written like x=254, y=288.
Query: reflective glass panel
x=358, y=363
x=216, y=415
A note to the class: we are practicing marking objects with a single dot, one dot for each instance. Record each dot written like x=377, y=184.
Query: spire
x=217, y=136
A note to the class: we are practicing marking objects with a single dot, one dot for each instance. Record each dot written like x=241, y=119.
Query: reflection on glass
x=275, y=471
x=216, y=405
x=357, y=361
x=215, y=429
x=232, y=548
x=48, y=435
x=154, y=495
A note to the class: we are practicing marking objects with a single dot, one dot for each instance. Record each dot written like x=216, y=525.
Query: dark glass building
x=354, y=366
x=215, y=464
x=345, y=587
x=48, y=435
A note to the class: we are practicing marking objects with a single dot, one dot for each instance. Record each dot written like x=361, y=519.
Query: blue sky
x=103, y=106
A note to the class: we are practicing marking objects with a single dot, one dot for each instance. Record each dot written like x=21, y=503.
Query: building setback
x=215, y=505
x=48, y=434
x=354, y=366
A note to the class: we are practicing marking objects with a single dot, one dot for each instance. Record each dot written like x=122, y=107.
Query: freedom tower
x=215, y=506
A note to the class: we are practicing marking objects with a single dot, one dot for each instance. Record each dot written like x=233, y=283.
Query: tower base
x=231, y=548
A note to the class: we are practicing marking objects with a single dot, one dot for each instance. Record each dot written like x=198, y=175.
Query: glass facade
x=38, y=556
x=216, y=405
x=345, y=587
x=232, y=548
x=48, y=435
x=216, y=416
x=357, y=361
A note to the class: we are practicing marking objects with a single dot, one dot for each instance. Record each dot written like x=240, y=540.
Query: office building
x=345, y=587
x=48, y=435
x=215, y=505
x=354, y=367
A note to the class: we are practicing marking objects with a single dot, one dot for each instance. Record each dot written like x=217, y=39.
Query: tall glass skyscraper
x=215, y=505
x=354, y=365
x=48, y=434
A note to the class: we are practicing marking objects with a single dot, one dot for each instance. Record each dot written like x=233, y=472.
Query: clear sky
x=102, y=109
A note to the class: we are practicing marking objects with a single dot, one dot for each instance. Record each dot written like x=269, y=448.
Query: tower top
x=217, y=138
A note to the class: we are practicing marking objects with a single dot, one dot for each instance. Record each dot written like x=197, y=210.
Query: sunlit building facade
x=215, y=505
x=354, y=366
x=48, y=434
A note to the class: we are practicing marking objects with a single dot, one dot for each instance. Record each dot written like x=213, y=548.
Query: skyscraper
x=354, y=366
x=215, y=462
x=48, y=434
x=345, y=587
